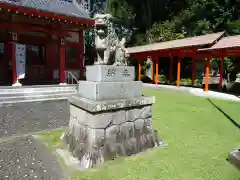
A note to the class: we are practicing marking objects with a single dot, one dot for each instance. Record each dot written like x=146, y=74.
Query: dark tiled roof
x=61, y=7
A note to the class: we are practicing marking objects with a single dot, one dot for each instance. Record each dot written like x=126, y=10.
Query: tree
x=121, y=9
x=233, y=27
x=160, y=32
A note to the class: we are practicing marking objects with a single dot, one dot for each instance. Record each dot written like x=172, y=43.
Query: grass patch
x=198, y=135
x=52, y=139
x=5, y=139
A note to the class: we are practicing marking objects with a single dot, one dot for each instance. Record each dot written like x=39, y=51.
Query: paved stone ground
x=26, y=158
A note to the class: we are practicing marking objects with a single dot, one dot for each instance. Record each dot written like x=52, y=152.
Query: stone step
x=35, y=89
x=32, y=98
x=35, y=93
x=32, y=93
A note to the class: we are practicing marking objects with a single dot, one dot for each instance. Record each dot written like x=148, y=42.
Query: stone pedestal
x=109, y=117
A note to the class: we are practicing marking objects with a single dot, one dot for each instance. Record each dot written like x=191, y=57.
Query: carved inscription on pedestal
x=125, y=73
x=122, y=91
x=111, y=72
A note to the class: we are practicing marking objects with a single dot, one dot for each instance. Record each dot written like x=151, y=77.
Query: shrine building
x=199, y=49
x=51, y=35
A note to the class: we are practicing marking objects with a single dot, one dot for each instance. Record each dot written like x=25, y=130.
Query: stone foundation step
x=12, y=100
x=34, y=97
x=33, y=93
x=34, y=89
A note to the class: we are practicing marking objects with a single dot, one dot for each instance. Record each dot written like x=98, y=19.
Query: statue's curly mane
x=113, y=44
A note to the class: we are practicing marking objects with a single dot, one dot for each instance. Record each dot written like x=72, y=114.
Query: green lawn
x=198, y=138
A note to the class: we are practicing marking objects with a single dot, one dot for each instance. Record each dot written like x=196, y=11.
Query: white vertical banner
x=20, y=60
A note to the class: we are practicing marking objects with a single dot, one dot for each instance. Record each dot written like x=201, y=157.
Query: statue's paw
x=99, y=63
x=117, y=64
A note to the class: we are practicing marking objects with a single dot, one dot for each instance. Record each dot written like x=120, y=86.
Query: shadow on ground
x=225, y=114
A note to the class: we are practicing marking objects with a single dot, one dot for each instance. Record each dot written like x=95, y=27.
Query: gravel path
x=26, y=158
x=24, y=118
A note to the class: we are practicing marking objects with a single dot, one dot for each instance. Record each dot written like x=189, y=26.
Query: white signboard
x=20, y=60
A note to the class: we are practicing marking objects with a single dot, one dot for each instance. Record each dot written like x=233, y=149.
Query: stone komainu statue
x=107, y=42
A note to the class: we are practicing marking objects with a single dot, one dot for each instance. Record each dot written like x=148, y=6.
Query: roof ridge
x=187, y=38
x=54, y=6
x=225, y=43
x=227, y=37
x=195, y=41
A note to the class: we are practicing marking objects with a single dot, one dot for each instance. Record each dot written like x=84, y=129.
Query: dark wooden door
x=5, y=64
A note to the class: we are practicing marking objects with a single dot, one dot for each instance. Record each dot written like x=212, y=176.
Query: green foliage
x=89, y=38
x=162, y=78
x=188, y=17
x=163, y=20
x=160, y=32
x=139, y=39
x=120, y=9
x=233, y=27
x=147, y=65
x=228, y=64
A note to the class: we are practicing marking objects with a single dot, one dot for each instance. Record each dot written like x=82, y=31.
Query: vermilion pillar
x=80, y=54
x=153, y=70
x=193, y=69
x=156, y=78
x=171, y=69
x=221, y=72
x=62, y=57
x=178, y=71
x=207, y=73
x=14, y=37
x=7, y=58
x=139, y=69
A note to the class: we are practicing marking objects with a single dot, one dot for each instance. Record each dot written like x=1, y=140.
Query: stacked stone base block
x=99, y=135
x=109, y=117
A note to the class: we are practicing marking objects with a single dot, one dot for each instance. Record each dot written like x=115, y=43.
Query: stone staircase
x=35, y=93
x=30, y=109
